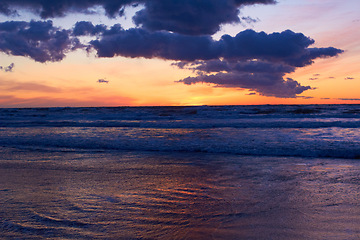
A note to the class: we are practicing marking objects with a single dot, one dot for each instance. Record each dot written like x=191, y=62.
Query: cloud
x=179, y=30
x=253, y=60
x=252, y=66
x=58, y=8
x=33, y=87
x=285, y=47
x=175, y=12
x=266, y=78
x=8, y=68
x=85, y=28
x=39, y=40
x=349, y=78
x=189, y=16
x=14, y=101
x=138, y=42
x=181, y=16
x=305, y=97
x=349, y=99
x=342, y=99
x=102, y=81
x=265, y=84
x=12, y=86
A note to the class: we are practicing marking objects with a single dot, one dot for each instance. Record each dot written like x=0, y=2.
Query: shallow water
x=82, y=194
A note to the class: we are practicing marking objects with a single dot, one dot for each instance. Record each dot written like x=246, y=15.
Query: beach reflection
x=178, y=196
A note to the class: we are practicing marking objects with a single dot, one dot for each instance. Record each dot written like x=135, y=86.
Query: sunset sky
x=178, y=52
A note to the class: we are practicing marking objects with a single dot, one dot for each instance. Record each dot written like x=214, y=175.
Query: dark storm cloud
x=264, y=77
x=84, y=28
x=191, y=17
x=50, y=9
x=39, y=40
x=218, y=65
x=285, y=47
x=4, y=9
x=266, y=84
x=182, y=16
x=138, y=42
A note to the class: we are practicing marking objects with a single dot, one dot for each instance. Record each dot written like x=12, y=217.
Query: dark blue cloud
x=39, y=40
x=251, y=60
x=266, y=78
x=50, y=9
x=266, y=84
x=102, y=81
x=5, y=9
x=252, y=2
x=181, y=16
x=138, y=42
x=285, y=47
x=218, y=65
x=84, y=28
x=189, y=16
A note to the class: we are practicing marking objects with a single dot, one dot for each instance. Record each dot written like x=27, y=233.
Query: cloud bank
x=177, y=30
x=39, y=40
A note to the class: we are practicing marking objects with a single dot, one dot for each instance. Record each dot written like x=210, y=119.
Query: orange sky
x=149, y=82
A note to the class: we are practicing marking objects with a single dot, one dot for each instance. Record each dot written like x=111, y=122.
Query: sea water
x=205, y=172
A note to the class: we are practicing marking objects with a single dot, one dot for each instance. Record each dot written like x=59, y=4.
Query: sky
x=82, y=53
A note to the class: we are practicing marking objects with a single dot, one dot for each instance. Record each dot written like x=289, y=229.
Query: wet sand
x=154, y=195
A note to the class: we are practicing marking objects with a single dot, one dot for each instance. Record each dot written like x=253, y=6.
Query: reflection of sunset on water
x=185, y=196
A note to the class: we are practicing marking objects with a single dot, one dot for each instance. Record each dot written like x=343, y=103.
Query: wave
x=265, y=116
x=199, y=123
x=323, y=142
x=213, y=112
x=279, y=130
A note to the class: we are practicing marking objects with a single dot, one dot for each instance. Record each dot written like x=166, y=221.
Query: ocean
x=197, y=172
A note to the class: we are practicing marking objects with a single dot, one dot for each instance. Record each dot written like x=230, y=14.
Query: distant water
x=207, y=172
x=268, y=130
